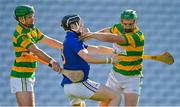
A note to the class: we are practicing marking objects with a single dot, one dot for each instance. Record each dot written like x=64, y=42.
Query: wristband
x=111, y=61
x=107, y=60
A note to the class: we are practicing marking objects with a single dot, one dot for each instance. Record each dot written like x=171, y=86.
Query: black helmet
x=68, y=19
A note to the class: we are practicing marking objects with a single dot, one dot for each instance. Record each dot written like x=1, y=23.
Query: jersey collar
x=71, y=34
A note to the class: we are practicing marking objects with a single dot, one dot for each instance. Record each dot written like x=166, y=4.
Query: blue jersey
x=71, y=59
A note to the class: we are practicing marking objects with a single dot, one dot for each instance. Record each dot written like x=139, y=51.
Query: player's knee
x=113, y=95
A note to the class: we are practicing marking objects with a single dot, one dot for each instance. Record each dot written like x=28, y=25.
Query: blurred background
x=158, y=19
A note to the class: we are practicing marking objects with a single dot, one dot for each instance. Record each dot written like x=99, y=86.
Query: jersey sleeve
x=24, y=41
x=77, y=45
x=138, y=39
x=117, y=29
x=112, y=28
x=40, y=35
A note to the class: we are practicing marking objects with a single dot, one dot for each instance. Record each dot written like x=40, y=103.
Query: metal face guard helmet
x=68, y=19
x=129, y=15
x=23, y=10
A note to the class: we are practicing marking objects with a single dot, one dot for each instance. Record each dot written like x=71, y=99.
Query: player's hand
x=56, y=67
x=119, y=50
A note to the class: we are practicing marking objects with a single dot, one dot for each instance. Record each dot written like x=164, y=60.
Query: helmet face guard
x=22, y=11
x=131, y=16
x=70, y=19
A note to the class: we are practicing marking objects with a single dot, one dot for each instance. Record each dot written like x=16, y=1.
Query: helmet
x=129, y=14
x=68, y=19
x=23, y=10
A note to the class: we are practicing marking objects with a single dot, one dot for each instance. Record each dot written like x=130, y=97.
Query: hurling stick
x=74, y=76
x=166, y=58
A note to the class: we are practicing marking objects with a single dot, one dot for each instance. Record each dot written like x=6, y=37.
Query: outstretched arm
x=87, y=35
x=100, y=50
x=108, y=37
x=105, y=35
x=52, y=42
x=42, y=55
x=105, y=30
x=94, y=60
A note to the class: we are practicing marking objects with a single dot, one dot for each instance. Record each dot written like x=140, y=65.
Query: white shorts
x=124, y=84
x=78, y=92
x=22, y=84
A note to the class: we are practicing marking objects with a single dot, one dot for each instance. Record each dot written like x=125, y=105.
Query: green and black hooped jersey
x=131, y=62
x=24, y=66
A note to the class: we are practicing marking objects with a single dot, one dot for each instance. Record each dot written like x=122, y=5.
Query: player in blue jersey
x=75, y=57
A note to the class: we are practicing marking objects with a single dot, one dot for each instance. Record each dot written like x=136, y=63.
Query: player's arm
x=26, y=42
x=39, y=53
x=81, y=50
x=100, y=49
x=109, y=37
x=88, y=35
x=90, y=59
x=42, y=55
x=106, y=36
x=105, y=30
x=51, y=42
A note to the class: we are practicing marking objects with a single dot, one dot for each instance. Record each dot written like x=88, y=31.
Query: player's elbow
x=120, y=39
x=123, y=41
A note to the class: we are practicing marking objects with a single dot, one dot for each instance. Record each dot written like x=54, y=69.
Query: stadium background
x=158, y=19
